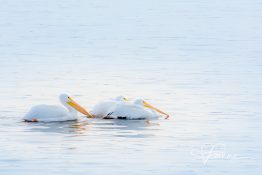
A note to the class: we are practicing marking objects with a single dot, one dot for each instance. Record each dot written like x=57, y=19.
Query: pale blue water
x=200, y=61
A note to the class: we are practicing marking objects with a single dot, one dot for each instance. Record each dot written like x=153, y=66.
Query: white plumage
x=117, y=108
x=101, y=109
x=50, y=113
x=135, y=110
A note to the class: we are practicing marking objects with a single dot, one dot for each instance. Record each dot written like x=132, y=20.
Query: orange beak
x=154, y=108
x=79, y=108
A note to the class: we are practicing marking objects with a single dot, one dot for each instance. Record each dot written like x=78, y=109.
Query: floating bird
x=139, y=109
x=101, y=109
x=50, y=113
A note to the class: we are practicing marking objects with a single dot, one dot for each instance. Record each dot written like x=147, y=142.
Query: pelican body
x=136, y=110
x=101, y=109
x=51, y=113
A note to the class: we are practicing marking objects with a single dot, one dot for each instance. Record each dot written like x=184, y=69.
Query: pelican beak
x=154, y=108
x=79, y=108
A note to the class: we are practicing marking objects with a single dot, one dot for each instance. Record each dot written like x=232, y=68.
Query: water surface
x=200, y=61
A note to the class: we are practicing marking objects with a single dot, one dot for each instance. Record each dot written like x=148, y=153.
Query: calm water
x=200, y=61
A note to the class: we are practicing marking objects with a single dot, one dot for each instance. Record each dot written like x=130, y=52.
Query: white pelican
x=101, y=109
x=138, y=109
x=49, y=113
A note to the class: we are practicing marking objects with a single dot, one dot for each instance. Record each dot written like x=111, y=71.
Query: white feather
x=50, y=113
x=131, y=111
x=101, y=109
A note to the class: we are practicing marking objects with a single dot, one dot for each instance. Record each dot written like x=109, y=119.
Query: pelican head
x=142, y=102
x=121, y=98
x=69, y=103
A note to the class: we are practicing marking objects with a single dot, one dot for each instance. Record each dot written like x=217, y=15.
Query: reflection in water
x=120, y=128
x=69, y=127
x=126, y=128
